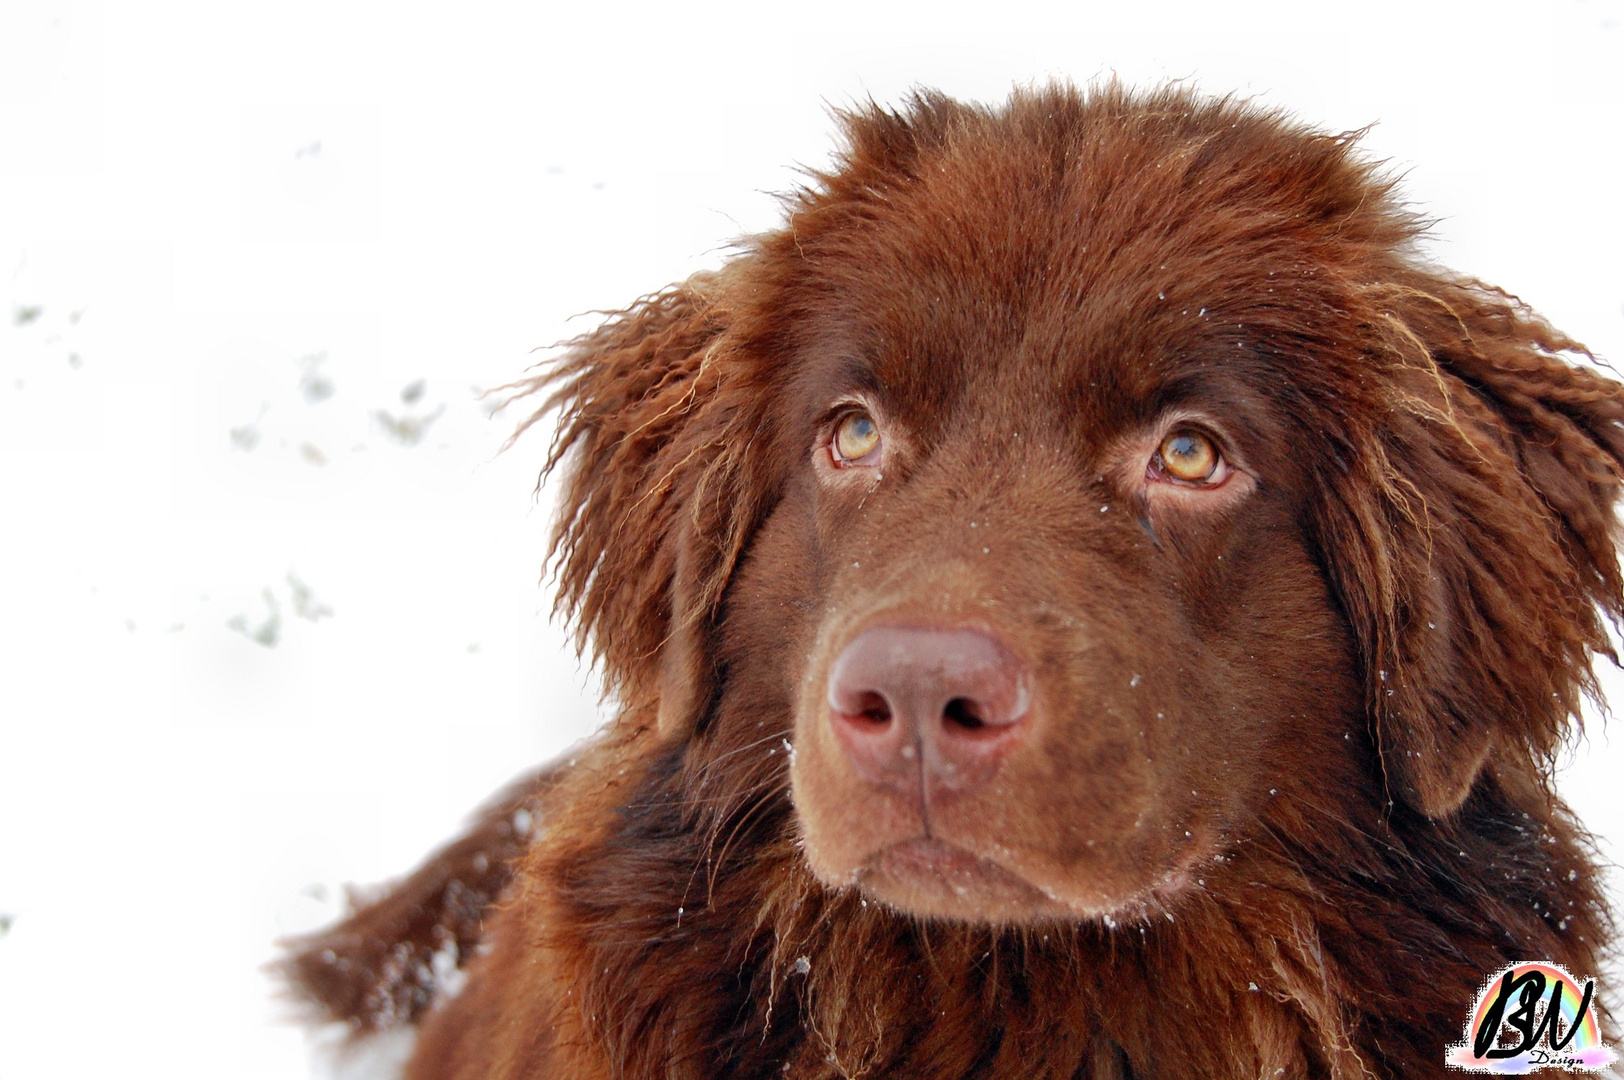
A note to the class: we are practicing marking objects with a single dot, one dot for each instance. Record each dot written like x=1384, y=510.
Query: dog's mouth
x=930, y=877
x=933, y=878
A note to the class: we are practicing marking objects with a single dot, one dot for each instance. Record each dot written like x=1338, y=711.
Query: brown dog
x=1086, y=599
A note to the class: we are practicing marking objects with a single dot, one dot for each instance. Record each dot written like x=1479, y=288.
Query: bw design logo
x=1530, y=1017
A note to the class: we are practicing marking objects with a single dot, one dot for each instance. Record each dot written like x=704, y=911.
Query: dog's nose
x=939, y=705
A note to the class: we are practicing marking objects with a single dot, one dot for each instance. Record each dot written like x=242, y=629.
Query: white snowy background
x=270, y=617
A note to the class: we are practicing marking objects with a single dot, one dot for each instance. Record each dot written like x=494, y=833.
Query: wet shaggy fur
x=1286, y=799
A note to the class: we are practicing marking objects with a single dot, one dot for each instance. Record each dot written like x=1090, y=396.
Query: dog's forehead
x=1093, y=281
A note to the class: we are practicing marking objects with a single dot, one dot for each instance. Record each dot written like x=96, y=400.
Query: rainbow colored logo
x=1530, y=1017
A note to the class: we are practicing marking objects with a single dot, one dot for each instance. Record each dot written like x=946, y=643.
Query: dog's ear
x=1471, y=526
x=657, y=494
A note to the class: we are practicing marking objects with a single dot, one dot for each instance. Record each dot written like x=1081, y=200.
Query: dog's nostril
x=964, y=713
x=873, y=708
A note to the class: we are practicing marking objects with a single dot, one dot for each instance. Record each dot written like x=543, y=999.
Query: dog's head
x=1066, y=482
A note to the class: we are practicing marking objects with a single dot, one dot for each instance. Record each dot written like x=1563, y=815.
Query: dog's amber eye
x=1189, y=456
x=857, y=438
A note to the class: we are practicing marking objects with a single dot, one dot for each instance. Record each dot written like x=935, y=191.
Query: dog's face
x=1043, y=558
x=1066, y=484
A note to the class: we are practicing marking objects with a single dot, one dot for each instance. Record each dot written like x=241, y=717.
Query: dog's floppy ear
x=1472, y=533
x=657, y=496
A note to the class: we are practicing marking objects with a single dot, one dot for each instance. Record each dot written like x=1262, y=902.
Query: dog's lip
x=929, y=853
x=937, y=866
x=925, y=859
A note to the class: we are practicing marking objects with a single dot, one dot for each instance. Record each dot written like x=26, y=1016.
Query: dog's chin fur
x=1282, y=800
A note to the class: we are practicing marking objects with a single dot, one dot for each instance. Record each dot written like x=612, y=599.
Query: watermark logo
x=1530, y=1017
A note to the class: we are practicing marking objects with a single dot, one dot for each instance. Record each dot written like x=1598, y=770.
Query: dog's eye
x=857, y=440
x=1189, y=456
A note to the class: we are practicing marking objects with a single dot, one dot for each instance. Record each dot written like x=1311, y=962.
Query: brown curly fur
x=1411, y=608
